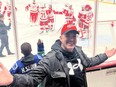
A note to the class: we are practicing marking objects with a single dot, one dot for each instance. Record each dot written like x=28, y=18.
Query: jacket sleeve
x=7, y=27
x=4, y=28
x=34, y=77
x=14, y=69
x=91, y=61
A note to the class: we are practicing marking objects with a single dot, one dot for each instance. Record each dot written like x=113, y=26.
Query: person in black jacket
x=4, y=36
x=63, y=66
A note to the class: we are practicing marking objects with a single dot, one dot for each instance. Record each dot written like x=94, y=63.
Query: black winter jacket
x=52, y=70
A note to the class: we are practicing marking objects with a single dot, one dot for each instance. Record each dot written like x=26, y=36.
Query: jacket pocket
x=55, y=79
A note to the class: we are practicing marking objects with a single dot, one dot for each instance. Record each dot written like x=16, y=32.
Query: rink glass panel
x=10, y=33
x=28, y=32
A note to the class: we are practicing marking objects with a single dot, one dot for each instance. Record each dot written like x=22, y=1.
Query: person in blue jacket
x=27, y=62
x=40, y=48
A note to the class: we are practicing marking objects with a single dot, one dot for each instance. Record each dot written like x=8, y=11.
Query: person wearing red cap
x=63, y=66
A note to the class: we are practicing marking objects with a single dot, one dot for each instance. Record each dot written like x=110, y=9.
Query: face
x=68, y=41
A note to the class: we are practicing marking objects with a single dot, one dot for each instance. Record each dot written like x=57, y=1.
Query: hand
x=5, y=77
x=111, y=52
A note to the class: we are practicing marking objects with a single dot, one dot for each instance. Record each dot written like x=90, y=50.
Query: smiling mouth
x=71, y=44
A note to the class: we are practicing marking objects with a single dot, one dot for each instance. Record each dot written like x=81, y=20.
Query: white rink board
x=102, y=78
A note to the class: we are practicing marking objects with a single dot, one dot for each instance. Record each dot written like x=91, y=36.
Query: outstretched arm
x=5, y=77
x=16, y=80
x=98, y=59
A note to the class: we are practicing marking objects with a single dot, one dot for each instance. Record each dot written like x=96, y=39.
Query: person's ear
x=30, y=49
x=60, y=37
